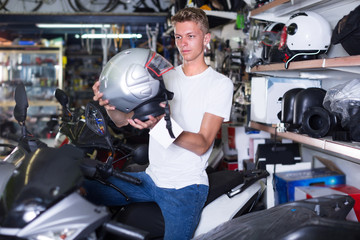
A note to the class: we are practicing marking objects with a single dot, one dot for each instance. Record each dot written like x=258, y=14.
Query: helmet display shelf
x=336, y=64
x=332, y=68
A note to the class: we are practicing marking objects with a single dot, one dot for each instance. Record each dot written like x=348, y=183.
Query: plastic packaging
x=344, y=100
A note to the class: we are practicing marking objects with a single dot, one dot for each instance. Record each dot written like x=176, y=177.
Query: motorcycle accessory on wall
x=318, y=122
x=305, y=99
x=347, y=32
x=287, y=105
x=132, y=80
x=306, y=34
x=309, y=115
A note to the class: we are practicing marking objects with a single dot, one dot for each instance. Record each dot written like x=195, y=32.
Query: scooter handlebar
x=126, y=177
x=125, y=231
x=93, y=169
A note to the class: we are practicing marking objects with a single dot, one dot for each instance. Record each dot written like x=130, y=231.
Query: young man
x=176, y=178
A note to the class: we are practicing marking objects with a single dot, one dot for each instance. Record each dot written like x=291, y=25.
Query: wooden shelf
x=267, y=6
x=222, y=14
x=351, y=61
x=345, y=68
x=280, y=10
x=344, y=148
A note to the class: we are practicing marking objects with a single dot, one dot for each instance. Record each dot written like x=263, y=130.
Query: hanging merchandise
x=221, y=5
x=105, y=44
x=152, y=35
x=305, y=35
x=347, y=32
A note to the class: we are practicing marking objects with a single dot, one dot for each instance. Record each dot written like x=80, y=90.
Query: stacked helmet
x=306, y=34
x=132, y=81
x=270, y=39
x=271, y=34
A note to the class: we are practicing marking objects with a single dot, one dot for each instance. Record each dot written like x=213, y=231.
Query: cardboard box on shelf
x=285, y=182
x=278, y=168
x=266, y=94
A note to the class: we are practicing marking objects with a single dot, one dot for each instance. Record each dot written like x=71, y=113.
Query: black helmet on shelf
x=347, y=32
x=132, y=81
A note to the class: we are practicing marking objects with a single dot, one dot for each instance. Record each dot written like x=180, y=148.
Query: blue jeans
x=181, y=208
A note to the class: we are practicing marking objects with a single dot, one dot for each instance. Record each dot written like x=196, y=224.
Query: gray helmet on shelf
x=132, y=81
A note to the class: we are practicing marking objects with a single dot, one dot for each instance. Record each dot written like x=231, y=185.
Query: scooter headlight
x=23, y=213
x=31, y=209
x=56, y=235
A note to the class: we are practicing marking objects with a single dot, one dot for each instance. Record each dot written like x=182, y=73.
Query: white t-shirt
x=209, y=91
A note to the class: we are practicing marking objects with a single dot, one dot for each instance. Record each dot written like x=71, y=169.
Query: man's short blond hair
x=196, y=15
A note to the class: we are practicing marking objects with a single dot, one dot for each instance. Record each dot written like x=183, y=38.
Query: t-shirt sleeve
x=220, y=98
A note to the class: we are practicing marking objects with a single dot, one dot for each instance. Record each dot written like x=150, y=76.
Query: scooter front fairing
x=38, y=183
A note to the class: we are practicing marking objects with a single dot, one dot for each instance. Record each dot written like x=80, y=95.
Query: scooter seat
x=221, y=182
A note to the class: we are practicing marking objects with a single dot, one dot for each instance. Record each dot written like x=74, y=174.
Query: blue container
x=285, y=182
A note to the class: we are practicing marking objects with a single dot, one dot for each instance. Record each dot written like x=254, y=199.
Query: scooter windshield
x=16, y=156
x=43, y=178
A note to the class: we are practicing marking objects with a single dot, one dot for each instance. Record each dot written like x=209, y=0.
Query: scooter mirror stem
x=23, y=129
x=110, y=159
x=105, y=170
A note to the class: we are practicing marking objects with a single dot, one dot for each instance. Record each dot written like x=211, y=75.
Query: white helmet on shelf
x=306, y=34
x=308, y=31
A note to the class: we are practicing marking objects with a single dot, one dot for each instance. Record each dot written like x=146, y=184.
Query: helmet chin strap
x=296, y=55
x=167, y=117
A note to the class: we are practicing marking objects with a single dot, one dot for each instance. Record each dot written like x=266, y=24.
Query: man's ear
x=207, y=39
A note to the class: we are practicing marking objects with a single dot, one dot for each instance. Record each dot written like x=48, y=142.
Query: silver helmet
x=132, y=81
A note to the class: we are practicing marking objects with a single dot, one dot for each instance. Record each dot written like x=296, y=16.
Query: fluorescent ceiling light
x=100, y=36
x=61, y=25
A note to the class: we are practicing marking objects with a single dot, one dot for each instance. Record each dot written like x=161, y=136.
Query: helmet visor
x=158, y=64
x=270, y=38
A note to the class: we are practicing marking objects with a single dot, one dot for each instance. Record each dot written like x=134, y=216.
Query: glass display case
x=40, y=69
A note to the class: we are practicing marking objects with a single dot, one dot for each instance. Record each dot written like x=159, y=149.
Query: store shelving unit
x=334, y=68
x=40, y=68
x=345, y=148
x=280, y=10
x=344, y=68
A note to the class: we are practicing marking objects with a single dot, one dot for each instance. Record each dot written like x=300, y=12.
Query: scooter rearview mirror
x=140, y=154
x=21, y=103
x=62, y=97
x=96, y=122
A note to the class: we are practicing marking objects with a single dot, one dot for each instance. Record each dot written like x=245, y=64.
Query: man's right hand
x=98, y=97
x=119, y=118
